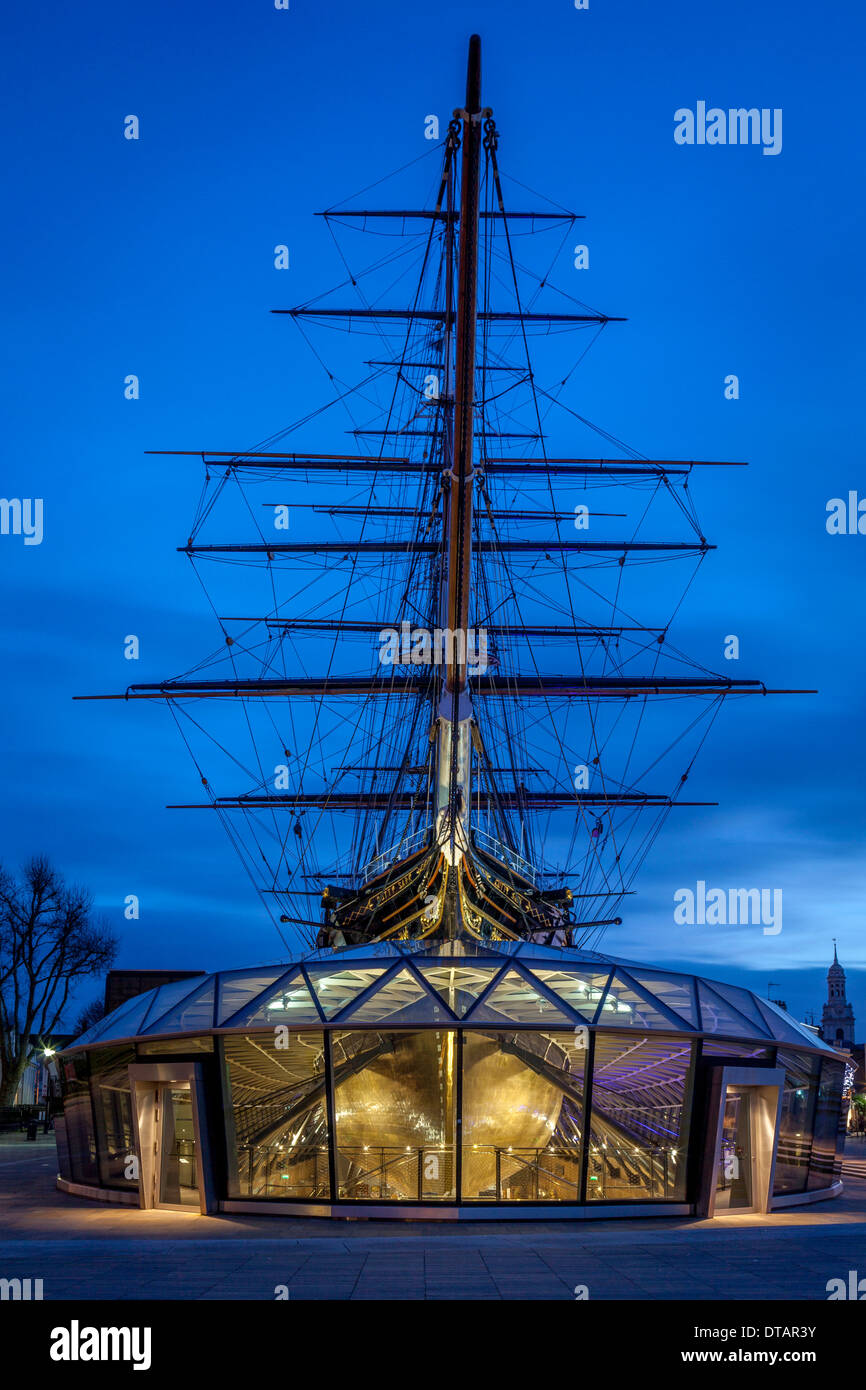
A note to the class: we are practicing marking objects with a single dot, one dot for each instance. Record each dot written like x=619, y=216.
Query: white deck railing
x=515, y=861
x=400, y=850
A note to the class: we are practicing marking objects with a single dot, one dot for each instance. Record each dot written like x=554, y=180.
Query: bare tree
x=48, y=942
x=92, y=1014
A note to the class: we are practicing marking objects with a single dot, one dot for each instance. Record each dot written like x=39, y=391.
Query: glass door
x=175, y=1173
x=734, y=1178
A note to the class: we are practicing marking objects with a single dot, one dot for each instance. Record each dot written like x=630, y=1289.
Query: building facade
x=394, y=1079
x=837, y=1015
x=838, y=1029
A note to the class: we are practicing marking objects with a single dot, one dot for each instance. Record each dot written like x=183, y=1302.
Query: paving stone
x=85, y=1250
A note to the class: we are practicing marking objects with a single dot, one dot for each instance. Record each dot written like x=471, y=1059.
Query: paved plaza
x=83, y=1249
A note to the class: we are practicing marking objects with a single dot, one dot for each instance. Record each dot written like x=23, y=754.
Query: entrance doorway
x=743, y=1123
x=734, y=1178
x=171, y=1138
x=175, y=1170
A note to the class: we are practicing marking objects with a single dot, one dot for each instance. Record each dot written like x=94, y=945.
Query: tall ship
x=443, y=725
x=446, y=689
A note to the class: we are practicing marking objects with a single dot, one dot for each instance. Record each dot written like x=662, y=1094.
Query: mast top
x=473, y=76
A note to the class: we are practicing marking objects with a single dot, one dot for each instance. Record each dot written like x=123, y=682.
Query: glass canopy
x=510, y=985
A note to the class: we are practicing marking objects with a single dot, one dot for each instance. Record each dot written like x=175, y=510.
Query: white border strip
x=98, y=1194
x=802, y=1199
x=501, y=1211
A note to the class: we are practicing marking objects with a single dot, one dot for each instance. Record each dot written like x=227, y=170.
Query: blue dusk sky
x=155, y=257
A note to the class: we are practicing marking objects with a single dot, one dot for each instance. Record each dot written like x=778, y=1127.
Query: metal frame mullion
x=589, y=1069
x=458, y=1123
x=732, y=1008
x=680, y=1024
x=551, y=996
x=482, y=998
x=331, y=1113
x=228, y=1138
x=365, y=994
x=604, y=989
x=432, y=993
x=313, y=995
x=285, y=979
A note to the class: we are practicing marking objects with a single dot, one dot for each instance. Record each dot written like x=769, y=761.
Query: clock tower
x=837, y=1017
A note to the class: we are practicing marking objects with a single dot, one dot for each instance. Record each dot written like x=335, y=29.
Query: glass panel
x=278, y=1133
x=514, y=998
x=749, y=1052
x=718, y=1016
x=641, y=1107
x=825, y=1163
x=522, y=1116
x=92, y=1033
x=745, y=1003
x=734, y=1167
x=123, y=1022
x=178, y=1181
x=581, y=990
x=459, y=984
x=782, y=1026
x=394, y=1099
x=292, y=1003
x=402, y=1000
x=374, y=952
x=166, y=997
x=78, y=1113
x=191, y=1014
x=174, y=1047
x=623, y=1006
x=337, y=988
x=112, y=1105
x=674, y=990
x=797, y=1118
x=241, y=987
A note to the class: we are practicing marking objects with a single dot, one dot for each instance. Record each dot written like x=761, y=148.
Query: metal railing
x=264, y=1172
x=494, y=1173
x=403, y=848
x=400, y=850
x=391, y=1174
x=498, y=850
x=627, y=1173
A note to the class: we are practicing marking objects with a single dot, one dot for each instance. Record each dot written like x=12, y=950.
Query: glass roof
x=409, y=983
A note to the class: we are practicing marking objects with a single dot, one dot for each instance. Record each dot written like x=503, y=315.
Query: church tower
x=837, y=1018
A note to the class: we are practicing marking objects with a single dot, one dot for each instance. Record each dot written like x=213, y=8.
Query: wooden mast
x=454, y=714
x=460, y=507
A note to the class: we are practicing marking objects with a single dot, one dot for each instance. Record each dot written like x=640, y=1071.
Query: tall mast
x=460, y=510
x=454, y=715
